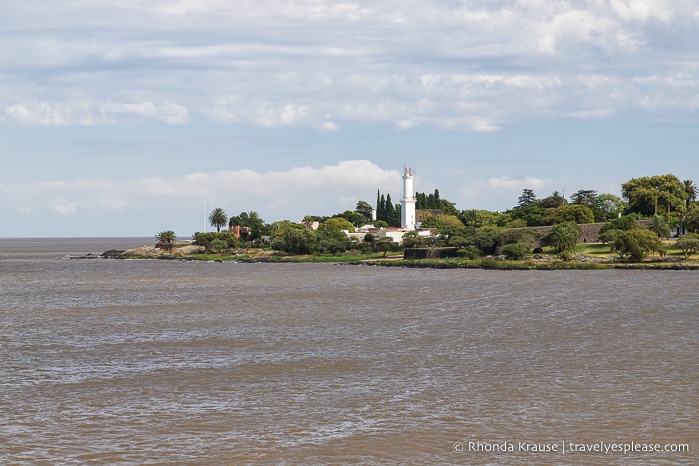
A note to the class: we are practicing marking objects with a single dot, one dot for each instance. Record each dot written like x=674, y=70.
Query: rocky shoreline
x=190, y=252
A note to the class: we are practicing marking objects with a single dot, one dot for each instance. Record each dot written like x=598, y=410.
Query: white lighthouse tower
x=407, y=203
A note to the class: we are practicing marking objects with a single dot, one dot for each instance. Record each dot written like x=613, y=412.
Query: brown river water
x=171, y=362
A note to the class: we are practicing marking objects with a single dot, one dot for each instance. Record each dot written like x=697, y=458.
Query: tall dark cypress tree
x=381, y=210
x=390, y=211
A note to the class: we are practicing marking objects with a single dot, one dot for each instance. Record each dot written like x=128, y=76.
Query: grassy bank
x=594, y=256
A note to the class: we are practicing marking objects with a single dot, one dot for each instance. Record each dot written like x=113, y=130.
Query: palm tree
x=218, y=218
x=690, y=191
x=307, y=222
x=660, y=227
x=554, y=200
x=166, y=237
x=564, y=236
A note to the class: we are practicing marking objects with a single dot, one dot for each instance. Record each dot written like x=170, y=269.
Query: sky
x=130, y=117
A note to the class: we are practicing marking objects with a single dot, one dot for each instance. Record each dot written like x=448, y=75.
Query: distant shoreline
x=395, y=261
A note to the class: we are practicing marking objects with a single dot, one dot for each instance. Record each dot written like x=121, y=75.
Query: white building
x=407, y=203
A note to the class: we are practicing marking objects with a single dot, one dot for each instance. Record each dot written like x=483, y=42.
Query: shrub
x=527, y=237
x=487, y=239
x=364, y=248
x=488, y=263
x=566, y=256
x=637, y=243
x=469, y=252
x=514, y=251
x=627, y=222
x=227, y=238
x=218, y=245
x=688, y=244
x=608, y=237
x=333, y=246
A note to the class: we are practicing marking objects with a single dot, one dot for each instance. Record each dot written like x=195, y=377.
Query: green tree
x=609, y=237
x=586, y=197
x=355, y=218
x=564, y=236
x=488, y=239
x=554, y=200
x=513, y=251
x=688, y=244
x=251, y=220
x=412, y=239
x=294, y=239
x=278, y=226
x=428, y=201
x=167, y=238
x=526, y=237
x=333, y=227
x=218, y=245
x=691, y=218
x=481, y=218
x=431, y=222
x=370, y=239
x=381, y=209
x=648, y=194
x=608, y=206
x=690, y=192
x=307, y=222
x=636, y=244
x=227, y=239
x=385, y=245
x=458, y=241
x=533, y=214
x=333, y=246
x=577, y=213
x=330, y=235
x=392, y=217
x=527, y=198
x=448, y=208
x=218, y=218
x=364, y=209
x=660, y=226
x=450, y=225
x=627, y=222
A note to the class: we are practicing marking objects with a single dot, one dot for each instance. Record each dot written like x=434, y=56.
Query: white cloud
x=515, y=184
x=277, y=195
x=475, y=66
x=643, y=10
x=111, y=202
x=63, y=207
x=168, y=112
x=36, y=113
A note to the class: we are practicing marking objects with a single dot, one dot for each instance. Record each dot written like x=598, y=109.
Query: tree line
x=669, y=203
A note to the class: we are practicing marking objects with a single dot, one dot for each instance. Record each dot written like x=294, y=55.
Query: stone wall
x=590, y=230
x=429, y=253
